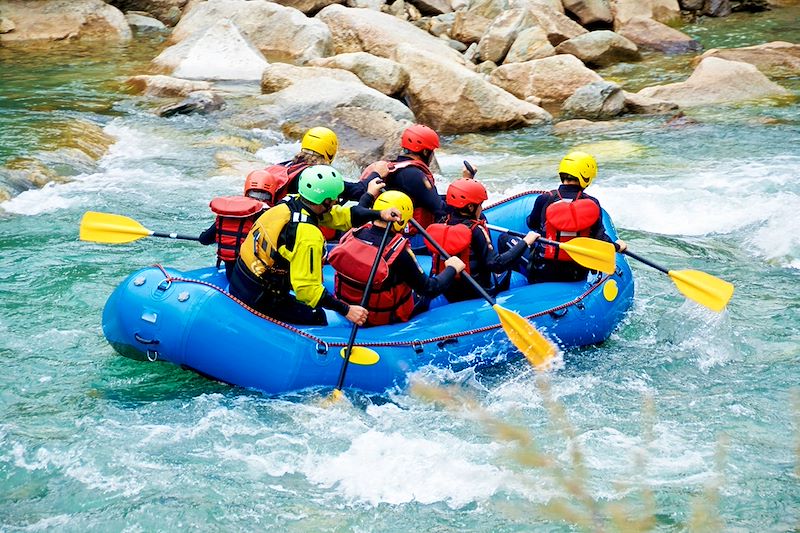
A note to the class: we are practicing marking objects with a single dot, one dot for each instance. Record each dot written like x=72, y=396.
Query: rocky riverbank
x=367, y=68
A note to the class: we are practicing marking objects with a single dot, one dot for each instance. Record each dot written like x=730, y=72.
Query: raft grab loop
x=322, y=347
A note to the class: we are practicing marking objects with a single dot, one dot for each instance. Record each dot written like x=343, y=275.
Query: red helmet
x=463, y=192
x=264, y=185
x=417, y=138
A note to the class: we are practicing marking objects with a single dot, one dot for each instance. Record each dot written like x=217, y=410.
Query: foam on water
x=394, y=468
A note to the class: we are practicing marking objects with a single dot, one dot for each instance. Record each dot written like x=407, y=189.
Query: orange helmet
x=417, y=138
x=464, y=192
x=264, y=185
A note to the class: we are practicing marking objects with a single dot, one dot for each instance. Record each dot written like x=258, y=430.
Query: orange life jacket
x=456, y=239
x=565, y=219
x=235, y=217
x=353, y=259
x=423, y=216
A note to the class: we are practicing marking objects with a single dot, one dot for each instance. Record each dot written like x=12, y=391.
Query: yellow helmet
x=322, y=141
x=399, y=200
x=580, y=166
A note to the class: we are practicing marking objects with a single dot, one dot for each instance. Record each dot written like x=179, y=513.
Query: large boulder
x=143, y=23
x=310, y=7
x=279, y=76
x=644, y=105
x=590, y=11
x=715, y=81
x=558, y=26
x=531, y=43
x=160, y=85
x=280, y=33
x=776, y=59
x=596, y=100
x=316, y=96
x=454, y=99
x=469, y=27
x=56, y=20
x=600, y=48
x=648, y=33
x=167, y=11
x=219, y=52
x=553, y=79
x=501, y=34
x=666, y=11
x=384, y=75
x=380, y=34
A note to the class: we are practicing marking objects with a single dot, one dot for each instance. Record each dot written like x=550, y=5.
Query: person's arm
x=421, y=192
x=354, y=190
x=209, y=236
x=495, y=262
x=411, y=273
x=534, y=220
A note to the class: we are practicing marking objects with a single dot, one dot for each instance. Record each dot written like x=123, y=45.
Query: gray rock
x=201, y=102
x=597, y=100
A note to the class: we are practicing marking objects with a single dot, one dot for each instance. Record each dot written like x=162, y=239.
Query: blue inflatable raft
x=188, y=319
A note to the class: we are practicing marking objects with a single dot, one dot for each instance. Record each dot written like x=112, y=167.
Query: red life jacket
x=235, y=217
x=456, y=239
x=284, y=174
x=565, y=219
x=353, y=259
x=423, y=216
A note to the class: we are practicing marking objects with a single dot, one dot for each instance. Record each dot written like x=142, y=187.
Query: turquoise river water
x=686, y=417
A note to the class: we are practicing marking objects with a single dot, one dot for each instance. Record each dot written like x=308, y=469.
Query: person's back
x=563, y=214
x=398, y=274
x=464, y=234
x=237, y=214
x=409, y=173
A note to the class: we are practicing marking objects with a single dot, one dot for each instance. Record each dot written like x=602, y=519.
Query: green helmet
x=320, y=183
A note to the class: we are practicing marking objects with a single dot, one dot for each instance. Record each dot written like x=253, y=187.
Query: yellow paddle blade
x=592, y=253
x=112, y=229
x=336, y=397
x=535, y=346
x=703, y=288
x=361, y=355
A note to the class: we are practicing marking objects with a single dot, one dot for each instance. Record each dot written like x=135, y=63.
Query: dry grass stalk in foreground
x=635, y=512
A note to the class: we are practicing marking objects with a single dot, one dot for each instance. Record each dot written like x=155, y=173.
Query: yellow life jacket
x=259, y=250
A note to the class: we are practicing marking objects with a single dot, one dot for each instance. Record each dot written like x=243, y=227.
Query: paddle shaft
x=173, y=236
x=364, y=299
x=444, y=254
x=646, y=261
x=520, y=234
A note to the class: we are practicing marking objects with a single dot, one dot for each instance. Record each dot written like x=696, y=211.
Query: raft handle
x=416, y=344
x=145, y=341
x=151, y=355
x=559, y=313
x=322, y=347
x=445, y=342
